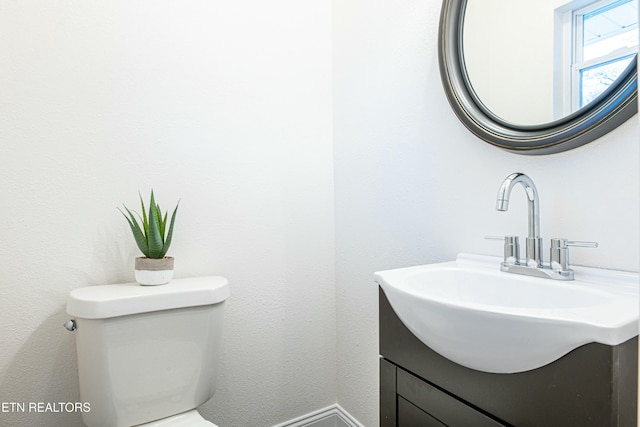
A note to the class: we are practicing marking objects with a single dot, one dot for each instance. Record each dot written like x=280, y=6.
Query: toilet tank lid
x=105, y=301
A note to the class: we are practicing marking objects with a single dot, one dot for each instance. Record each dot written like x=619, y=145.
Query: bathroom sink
x=479, y=317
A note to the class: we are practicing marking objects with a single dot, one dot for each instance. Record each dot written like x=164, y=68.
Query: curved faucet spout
x=502, y=204
x=534, y=242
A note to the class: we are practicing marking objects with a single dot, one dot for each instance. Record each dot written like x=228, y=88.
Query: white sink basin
x=479, y=317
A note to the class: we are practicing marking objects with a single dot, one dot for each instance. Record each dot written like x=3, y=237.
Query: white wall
x=414, y=186
x=225, y=105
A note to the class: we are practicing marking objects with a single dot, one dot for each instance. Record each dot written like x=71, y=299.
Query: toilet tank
x=147, y=352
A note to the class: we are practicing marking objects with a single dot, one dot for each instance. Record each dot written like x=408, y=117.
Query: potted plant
x=153, y=238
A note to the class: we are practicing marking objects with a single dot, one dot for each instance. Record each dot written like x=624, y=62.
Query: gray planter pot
x=151, y=272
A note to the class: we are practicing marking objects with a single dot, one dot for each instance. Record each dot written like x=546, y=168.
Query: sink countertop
x=477, y=316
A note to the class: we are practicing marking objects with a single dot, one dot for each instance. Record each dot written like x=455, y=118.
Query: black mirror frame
x=612, y=108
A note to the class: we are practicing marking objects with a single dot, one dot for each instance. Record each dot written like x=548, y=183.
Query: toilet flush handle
x=70, y=325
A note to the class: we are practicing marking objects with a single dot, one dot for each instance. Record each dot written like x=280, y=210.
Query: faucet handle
x=511, y=248
x=563, y=243
x=559, y=260
x=582, y=244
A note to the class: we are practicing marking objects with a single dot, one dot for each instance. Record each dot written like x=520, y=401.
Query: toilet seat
x=186, y=419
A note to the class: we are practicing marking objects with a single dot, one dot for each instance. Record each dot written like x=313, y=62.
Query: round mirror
x=540, y=77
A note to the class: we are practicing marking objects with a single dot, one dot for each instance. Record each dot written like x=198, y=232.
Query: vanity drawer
x=410, y=415
x=440, y=408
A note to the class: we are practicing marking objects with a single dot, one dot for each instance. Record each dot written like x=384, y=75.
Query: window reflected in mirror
x=536, y=62
x=595, y=42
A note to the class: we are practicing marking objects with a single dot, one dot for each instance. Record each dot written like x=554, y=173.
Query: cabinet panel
x=388, y=405
x=411, y=416
x=440, y=405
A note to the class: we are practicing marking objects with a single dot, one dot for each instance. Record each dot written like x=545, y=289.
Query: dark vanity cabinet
x=594, y=385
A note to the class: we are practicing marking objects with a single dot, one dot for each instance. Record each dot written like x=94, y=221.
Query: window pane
x=605, y=46
x=609, y=28
x=596, y=79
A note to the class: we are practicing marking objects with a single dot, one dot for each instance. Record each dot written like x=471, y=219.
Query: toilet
x=148, y=355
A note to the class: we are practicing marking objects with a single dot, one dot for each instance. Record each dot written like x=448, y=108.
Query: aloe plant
x=152, y=236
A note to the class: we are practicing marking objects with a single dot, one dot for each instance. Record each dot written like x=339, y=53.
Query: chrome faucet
x=534, y=241
x=558, y=267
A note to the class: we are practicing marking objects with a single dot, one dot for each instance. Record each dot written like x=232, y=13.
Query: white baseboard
x=331, y=416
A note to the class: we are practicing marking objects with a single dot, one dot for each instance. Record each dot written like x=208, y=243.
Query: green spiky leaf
x=163, y=225
x=151, y=236
x=154, y=238
x=138, y=233
x=167, y=241
x=145, y=223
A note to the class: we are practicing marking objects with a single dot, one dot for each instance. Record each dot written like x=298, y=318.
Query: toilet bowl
x=147, y=355
x=187, y=419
